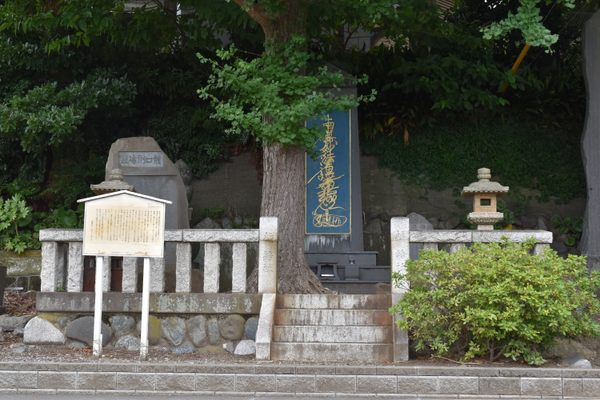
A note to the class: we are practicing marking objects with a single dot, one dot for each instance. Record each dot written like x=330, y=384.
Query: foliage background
x=77, y=75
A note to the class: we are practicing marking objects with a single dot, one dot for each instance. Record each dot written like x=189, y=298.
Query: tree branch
x=258, y=14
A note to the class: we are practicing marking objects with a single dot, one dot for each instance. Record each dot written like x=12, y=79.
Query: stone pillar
x=130, y=275
x=157, y=275
x=212, y=257
x=590, y=144
x=106, y=274
x=400, y=249
x=52, y=267
x=183, y=268
x=75, y=267
x=238, y=274
x=267, y=255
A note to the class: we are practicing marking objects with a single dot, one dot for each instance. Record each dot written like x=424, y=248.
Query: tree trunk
x=283, y=171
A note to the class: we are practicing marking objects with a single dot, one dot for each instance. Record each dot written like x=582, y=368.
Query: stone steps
x=333, y=328
x=338, y=352
x=322, y=317
x=322, y=334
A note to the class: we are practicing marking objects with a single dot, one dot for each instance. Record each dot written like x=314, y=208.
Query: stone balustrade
x=451, y=240
x=62, y=260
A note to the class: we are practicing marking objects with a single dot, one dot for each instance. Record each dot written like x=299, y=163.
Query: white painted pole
x=98, y=287
x=145, y=310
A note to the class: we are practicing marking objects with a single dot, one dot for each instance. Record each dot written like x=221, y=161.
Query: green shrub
x=497, y=300
x=15, y=214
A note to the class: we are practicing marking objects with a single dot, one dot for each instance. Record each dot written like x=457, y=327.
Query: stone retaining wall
x=301, y=380
x=179, y=322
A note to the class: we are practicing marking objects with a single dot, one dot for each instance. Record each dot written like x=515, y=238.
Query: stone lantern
x=485, y=213
x=114, y=183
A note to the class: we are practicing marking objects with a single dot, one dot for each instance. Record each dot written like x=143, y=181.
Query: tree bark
x=283, y=170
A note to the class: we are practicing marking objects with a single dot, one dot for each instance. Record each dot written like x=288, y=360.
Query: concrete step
x=332, y=352
x=344, y=301
x=332, y=334
x=332, y=317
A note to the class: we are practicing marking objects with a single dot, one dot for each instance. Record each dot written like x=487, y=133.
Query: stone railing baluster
x=75, y=267
x=183, y=268
x=212, y=257
x=130, y=275
x=238, y=273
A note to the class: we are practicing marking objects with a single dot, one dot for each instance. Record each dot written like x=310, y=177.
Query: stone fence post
x=267, y=255
x=400, y=248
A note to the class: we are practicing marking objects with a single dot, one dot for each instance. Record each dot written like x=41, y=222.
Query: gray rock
x=251, y=327
x=18, y=349
x=226, y=223
x=580, y=363
x=569, y=349
x=173, y=330
x=245, y=348
x=212, y=328
x=75, y=344
x=207, y=223
x=128, y=342
x=196, y=327
x=40, y=331
x=232, y=327
x=1, y=335
x=185, y=348
x=82, y=329
x=229, y=347
x=122, y=324
x=541, y=224
x=449, y=223
x=417, y=222
x=9, y=323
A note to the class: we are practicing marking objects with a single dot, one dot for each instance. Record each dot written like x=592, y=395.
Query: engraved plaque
x=123, y=225
x=141, y=159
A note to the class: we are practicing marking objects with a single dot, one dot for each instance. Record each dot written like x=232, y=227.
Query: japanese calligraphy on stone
x=141, y=159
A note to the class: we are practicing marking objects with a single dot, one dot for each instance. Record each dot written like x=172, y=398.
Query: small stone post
x=52, y=267
x=400, y=248
x=267, y=255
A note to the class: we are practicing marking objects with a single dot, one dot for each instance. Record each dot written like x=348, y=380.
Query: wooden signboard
x=123, y=224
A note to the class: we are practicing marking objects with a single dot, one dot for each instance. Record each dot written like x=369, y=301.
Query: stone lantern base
x=485, y=220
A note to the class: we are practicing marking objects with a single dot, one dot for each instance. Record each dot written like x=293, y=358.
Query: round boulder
x=122, y=324
x=196, y=327
x=212, y=329
x=40, y=331
x=232, y=327
x=82, y=329
x=251, y=327
x=173, y=330
x=128, y=342
x=245, y=348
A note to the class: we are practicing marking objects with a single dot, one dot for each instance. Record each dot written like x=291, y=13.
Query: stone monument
x=148, y=169
x=333, y=215
x=590, y=145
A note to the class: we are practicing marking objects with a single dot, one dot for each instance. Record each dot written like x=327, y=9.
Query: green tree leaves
x=272, y=96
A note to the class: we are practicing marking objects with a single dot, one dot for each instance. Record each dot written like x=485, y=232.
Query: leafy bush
x=15, y=214
x=497, y=300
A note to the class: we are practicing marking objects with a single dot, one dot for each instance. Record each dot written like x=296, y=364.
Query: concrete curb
x=287, y=380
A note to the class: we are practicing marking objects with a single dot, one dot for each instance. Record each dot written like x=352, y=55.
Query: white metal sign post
x=123, y=224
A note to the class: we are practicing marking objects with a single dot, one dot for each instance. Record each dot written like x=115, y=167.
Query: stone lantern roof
x=484, y=185
x=114, y=183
